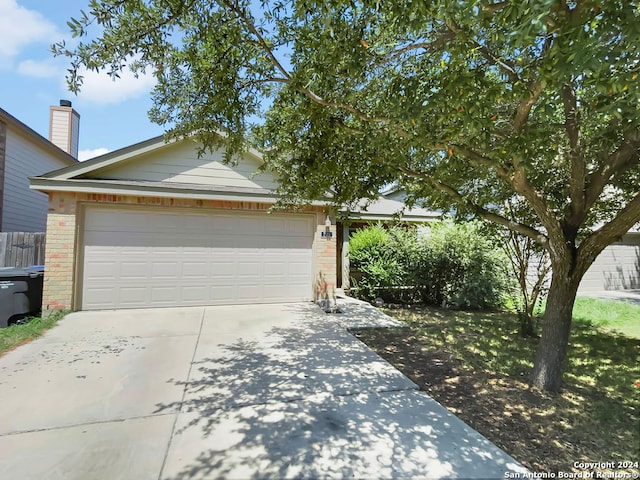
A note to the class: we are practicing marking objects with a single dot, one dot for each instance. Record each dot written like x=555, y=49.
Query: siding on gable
x=3, y=144
x=180, y=163
x=25, y=210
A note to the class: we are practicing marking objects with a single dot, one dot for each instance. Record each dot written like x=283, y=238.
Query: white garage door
x=147, y=258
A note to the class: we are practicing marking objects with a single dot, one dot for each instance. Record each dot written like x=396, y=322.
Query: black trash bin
x=35, y=287
x=19, y=293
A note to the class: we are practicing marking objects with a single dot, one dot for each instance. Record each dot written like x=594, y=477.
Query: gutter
x=113, y=188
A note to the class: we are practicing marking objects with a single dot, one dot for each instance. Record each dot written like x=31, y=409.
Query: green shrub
x=465, y=267
x=457, y=265
x=378, y=267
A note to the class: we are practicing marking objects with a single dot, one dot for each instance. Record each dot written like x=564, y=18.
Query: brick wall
x=60, y=252
x=325, y=261
x=63, y=226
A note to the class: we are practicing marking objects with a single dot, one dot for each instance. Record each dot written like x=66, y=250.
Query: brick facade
x=63, y=226
x=325, y=260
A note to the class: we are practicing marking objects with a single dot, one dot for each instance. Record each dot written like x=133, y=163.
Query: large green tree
x=459, y=102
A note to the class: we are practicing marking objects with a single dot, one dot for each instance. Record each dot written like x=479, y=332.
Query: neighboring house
x=156, y=225
x=24, y=153
x=616, y=268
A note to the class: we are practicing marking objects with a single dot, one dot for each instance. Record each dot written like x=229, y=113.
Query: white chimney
x=64, y=127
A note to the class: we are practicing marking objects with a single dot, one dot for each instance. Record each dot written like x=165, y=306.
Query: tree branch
x=591, y=247
x=427, y=46
x=522, y=186
x=524, y=109
x=577, y=211
x=242, y=15
x=259, y=81
x=457, y=197
x=479, y=159
x=517, y=180
x=493, y=7
x=624, y=157
x=505, y=66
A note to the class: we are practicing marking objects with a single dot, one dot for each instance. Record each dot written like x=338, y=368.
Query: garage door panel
x=194, y=271
x=102, y=270
x=275, y=269
x=249, y=292
x=165, y=270
x=194, y=293
x=167, y=293
x=136, y=258
x=131, y=295
x=222, y=294
x=133, y=271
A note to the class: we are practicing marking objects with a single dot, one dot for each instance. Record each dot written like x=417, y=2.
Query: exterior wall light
x=327, y=228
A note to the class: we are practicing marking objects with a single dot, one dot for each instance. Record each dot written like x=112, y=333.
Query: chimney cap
x=65, y=103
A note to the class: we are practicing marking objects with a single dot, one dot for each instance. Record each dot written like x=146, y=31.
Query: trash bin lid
x=10, y=272
x=37, y=270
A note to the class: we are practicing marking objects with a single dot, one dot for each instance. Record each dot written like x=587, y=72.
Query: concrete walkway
x=632, y=296
x=266, y=391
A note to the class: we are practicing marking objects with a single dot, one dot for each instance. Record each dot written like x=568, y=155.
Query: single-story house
x=156, y=225
x=25, y=153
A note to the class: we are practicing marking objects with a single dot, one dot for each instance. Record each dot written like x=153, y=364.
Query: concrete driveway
x=266, y=391
x=632, y=296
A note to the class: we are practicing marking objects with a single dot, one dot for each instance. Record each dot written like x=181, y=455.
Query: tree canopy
x=459, y=102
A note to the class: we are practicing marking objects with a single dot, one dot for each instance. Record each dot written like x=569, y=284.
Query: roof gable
x=35, y=138
x=175, y=162
x=179, y=163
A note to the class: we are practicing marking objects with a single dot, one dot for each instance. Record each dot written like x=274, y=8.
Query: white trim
x=109, y=188
x=90, y=166
x=355, y=217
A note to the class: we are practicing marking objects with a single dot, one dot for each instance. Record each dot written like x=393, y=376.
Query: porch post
x=345, y=256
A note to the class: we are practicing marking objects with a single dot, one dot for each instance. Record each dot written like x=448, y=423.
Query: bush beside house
x=456, y=265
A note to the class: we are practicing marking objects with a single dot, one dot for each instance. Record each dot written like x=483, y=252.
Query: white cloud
x=99, y=88
x=21, y=27
x=38, y=68
x=90, y=153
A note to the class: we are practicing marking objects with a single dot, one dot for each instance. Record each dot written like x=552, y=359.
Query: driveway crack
x=184, y=394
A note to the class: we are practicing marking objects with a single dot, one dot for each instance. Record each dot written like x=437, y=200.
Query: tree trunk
x=556, y=325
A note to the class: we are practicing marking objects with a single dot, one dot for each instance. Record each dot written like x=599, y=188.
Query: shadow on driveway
x=309, y=400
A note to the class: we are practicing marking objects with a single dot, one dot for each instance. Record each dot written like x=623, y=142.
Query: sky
x=113, y=115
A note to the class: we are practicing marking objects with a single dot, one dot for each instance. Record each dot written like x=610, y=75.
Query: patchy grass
x=616, y=316
x=16, y=335
x=476, y=365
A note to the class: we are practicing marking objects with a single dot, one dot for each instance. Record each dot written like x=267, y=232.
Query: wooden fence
x=21, y=249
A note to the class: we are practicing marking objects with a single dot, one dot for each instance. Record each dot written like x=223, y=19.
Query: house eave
x=36, y=138
x=108, y=159
x=389, y=218
x=105, y=187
